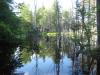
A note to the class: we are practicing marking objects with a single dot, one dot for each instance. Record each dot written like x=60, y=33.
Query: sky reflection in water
x=46, y=67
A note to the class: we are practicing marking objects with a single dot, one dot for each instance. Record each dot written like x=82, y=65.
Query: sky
x=65, y=4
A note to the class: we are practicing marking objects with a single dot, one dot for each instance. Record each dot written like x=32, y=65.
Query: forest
x=32, y=40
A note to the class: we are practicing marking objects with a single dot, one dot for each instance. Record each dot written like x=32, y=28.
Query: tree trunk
x=98, y=21
x=98, y=36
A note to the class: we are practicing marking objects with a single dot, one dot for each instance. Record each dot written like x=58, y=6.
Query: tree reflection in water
x=46, y=49
x=7, y=60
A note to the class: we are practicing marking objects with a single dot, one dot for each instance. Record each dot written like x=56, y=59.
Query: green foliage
x=8, y=38
x=26, y=29
x=6, y=35
x=46, y=19
x=25, y=55
x=52, y=34
x=8, y=24
x=41, y=16
x=25, y=14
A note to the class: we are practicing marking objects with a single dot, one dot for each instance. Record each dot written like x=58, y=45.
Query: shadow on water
x=8, y=61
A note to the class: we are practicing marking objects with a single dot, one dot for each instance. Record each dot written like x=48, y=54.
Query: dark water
x=50, y=56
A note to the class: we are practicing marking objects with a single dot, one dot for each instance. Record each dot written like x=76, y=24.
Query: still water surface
x=46, y=66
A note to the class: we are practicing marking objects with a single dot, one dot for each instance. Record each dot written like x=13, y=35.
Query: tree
x=8, y=38
x=98, y=35
x=28, y=32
